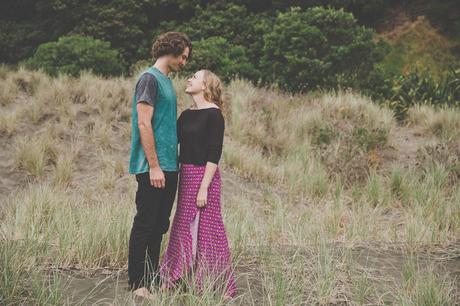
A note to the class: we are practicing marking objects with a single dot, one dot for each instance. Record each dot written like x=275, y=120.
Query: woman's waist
x=194, y=164
x=190, y=165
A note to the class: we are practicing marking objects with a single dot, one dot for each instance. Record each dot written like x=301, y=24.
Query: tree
x=318, y=47
x=72, y=54
x=230, y=21
x=221, y=57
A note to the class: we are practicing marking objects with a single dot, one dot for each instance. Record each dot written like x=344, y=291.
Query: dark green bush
x=318, y=48
x=444, y=15
x=221, y=57
x=72, y=54
x=367, y=12
x=421, y=88
x=233, y=23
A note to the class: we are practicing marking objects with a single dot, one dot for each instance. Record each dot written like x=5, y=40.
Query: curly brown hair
x=171, y=43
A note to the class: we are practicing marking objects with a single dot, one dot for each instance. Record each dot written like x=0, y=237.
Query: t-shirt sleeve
x=215, y=131
x=146, y=89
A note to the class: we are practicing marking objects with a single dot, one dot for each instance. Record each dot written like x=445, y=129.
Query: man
x=154, y=158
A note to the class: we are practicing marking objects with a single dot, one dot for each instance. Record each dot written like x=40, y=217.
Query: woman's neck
x=200, y=101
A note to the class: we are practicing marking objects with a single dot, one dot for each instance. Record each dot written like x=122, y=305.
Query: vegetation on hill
x=329, y=174
x=317, y=176
x=418, y=46
x=298, y=46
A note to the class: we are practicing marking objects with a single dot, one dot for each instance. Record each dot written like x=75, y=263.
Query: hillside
x=326, y=198
x=417, y=45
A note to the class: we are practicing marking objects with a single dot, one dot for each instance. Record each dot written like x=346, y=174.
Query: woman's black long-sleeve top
x=200, y=133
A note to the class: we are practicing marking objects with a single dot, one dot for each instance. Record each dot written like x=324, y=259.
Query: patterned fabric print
x=213, y=260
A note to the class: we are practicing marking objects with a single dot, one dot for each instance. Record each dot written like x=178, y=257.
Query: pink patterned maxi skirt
x=198, y=244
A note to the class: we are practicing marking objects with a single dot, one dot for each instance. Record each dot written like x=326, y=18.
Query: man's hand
x=202, y=197
x=157, y=177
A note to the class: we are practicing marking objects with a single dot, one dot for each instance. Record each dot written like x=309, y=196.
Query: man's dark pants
x=151, y=221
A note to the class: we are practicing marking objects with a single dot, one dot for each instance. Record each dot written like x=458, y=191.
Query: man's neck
x=161, y=65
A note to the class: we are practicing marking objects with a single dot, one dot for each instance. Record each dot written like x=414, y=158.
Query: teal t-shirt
x=164, y=123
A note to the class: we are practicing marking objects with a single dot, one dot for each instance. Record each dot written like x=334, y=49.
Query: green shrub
x=221, y=57
x=368, y=12
x=232, y=22
x=318, y=48
x=421, y=88
x=72, y=54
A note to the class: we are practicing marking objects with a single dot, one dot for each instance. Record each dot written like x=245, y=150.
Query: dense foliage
x=299, y=45
x=420, y=87
x=318, y=48
x=72, y=54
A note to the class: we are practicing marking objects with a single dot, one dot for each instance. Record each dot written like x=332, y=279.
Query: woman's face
x=195, y=83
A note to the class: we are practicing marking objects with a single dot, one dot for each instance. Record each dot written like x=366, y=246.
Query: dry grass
x=442, y=122
x=321, y=137
x=8, y=123
x=305, y=184
x=33, y=154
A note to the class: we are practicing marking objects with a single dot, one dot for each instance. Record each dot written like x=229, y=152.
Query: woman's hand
x=202, y=197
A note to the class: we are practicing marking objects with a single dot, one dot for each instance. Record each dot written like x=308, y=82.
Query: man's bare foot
x=143, y=292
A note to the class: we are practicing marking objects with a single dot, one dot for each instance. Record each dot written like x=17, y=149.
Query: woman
x=198, y=243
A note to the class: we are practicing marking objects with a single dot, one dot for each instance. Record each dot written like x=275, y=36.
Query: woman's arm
x=202, y=197
x=178, y=128
x=215, y=132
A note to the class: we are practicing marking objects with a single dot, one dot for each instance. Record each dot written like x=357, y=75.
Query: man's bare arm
x=145, y=113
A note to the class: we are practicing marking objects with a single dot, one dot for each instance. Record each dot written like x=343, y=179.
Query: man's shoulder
x=147, y=76
x=145, y=81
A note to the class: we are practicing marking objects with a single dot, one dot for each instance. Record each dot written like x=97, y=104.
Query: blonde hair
x=213, y=88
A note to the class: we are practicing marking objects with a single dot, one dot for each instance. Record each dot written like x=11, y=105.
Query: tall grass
x=34, y=154
x=306, y=177
x=22, y=282
x=8, y=123
x=78, y=230
x=423, y=286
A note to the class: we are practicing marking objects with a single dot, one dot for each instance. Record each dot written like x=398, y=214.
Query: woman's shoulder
x=215, y=117
x=185, y=111
x=207, y=110
x=214, y=111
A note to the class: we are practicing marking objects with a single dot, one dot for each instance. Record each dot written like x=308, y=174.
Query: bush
x=318, y=48
x=221, y=57
x=421, y=88
x=72, y=54
x=367, y=12
x=229, y=21
x=444, y=14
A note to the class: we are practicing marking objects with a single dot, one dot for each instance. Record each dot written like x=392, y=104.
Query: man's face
x=177, y=62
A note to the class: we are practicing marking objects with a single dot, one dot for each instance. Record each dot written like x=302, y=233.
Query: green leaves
x=221, y=57
x=72, y=54
x=422, y=88
x=318, y=47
